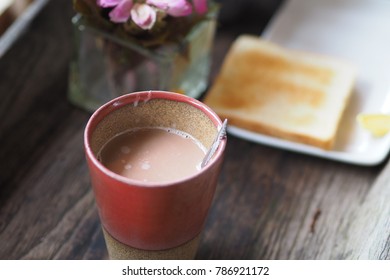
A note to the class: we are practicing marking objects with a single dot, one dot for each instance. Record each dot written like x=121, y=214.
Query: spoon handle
x=221, y=134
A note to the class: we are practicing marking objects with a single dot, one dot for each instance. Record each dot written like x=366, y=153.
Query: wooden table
x=269, y=204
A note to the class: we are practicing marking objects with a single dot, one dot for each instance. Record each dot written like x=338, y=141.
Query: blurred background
x=248, y=15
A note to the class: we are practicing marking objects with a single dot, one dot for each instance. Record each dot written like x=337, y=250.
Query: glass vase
x=106, y=66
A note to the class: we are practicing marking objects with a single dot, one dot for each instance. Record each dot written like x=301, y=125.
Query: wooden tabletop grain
x=269, y=204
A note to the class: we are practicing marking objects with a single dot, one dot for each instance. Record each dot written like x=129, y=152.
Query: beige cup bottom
x=120, y=251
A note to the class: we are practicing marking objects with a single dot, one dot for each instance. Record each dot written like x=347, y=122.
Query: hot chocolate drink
x=153, y=155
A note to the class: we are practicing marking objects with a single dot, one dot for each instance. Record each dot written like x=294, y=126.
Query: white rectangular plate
x=354, y=30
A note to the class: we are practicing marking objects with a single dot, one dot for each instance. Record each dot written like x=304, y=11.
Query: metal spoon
x=220, y=135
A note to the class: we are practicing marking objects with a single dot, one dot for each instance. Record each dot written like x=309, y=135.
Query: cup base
x=120, y=251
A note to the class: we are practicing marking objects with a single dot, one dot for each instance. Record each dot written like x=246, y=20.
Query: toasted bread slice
x=283, y=93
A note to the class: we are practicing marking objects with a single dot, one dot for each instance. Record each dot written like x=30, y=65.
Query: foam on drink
x=155, y=154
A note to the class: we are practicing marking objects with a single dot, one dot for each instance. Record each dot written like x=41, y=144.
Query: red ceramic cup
x=152, y=216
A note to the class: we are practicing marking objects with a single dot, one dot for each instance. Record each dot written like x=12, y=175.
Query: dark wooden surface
x=269, y=204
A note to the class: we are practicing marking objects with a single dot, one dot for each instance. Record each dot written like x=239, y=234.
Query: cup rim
x=144, y=96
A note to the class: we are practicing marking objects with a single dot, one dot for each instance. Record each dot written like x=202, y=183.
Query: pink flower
x=108, y=3
x=200, y=6
x=121, y=12
x=143, y=15
x=176, y=8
